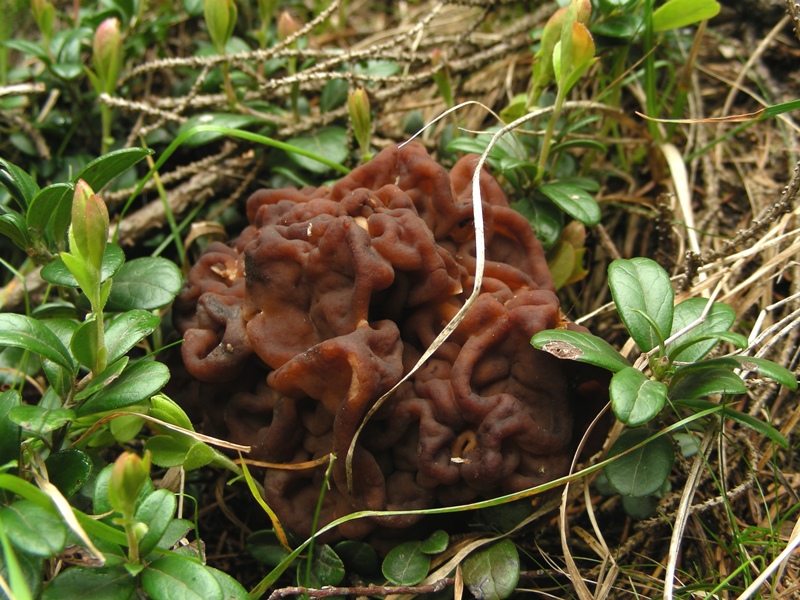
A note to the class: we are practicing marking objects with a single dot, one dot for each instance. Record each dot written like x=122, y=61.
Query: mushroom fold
x=295, y=329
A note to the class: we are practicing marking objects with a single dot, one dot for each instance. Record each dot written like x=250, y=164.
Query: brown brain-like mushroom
x=330, y=295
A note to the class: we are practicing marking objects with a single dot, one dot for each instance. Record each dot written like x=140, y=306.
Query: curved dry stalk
x=682, y=515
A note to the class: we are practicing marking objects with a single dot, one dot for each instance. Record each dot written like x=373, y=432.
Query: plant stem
x=105, y=139
x=548, y=136
x=226, y=78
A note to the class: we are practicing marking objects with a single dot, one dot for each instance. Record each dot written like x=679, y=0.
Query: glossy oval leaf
x=640, y=284
x=168, y=451
x=180, y=578
x=199, y=455
x=19, y=184
x=232, y=121
x=12, y=225
x=105, y=168
x=41, y=420
x=10, y=432
x=574, y=201
x=754, y=423
x=326, y=569
x=33, y=528
x=767, y=368
x=145, y=283
x=641, y=471
x=720, y=318
x=104, y=583
x=492, y=573
x=103, y=379
x=156, y=511
x=84, y=345
x=21, y=331
x=127, y=330
x=57, y=272
x=580, y=346
x=680, y=13
x=164, y=408
x=435, y=543
x=69, y=470
x=265, y=547
x=357, y=556
x=545, y=218
x=330, y=142
x=49, y=204
x=231, y=589
x=406, y=564
x=704, y=382
x=136, y=383
x=635, y=398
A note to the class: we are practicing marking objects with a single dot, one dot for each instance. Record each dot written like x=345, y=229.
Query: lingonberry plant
x=672, y=374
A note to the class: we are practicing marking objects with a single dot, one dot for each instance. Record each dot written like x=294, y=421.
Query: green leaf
x=167, y=450
x=145, y=283
x=180, y=578
x=574, y=201
x=264, y=547
x=127, y=330
x=680, y=13
x=10, y=432
x=124, y=428
x=580, y=346
x=545, y=218
x=720, y=318
x=579, y=143
x=330, y=142
x=156, y=512
x=199, y=455
x=492, y=573
x=436, y=542
x=326, y=569
x=84, y=342
x=642, y=471
x=19, y=184
x=80, y=270
x=80, y=583
x=57, y=272
x=727, y=412
x=406, y=564
x=234, y=121
x=704, y=382
x=34, y=528
x=22, y=569
x=138, y=382
x=767, y=368
x=635, y=398
x=640, y=507
x=641, y=284
x=356, y=555
x=103, y=379
x=333, y=95
x=40, y=420
x=166, y=409
x=105, y=168
x=619, y=26
x=231, y=589
x=69, y=470
x=51, y=206
x=12, y=225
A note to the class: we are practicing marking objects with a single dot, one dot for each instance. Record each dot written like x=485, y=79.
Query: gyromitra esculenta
x=298, y=326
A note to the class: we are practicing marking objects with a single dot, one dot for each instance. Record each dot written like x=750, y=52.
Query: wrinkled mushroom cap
x=330, y=295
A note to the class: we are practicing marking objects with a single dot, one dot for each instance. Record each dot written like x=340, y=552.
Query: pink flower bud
x=107, y=54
